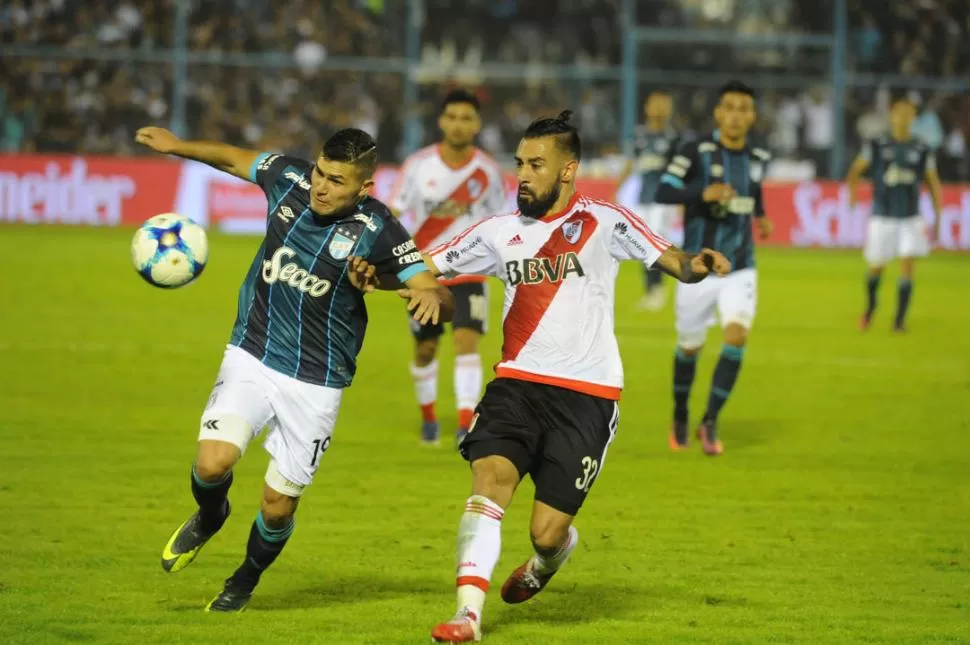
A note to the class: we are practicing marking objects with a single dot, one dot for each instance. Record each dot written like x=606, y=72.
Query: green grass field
x=840, y=512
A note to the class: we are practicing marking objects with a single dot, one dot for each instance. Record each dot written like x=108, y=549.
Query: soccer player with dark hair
x=551, y=412
x=718, y=179
x=654, y=146
x=442, y=190
x=898, y=164
x=299, y=328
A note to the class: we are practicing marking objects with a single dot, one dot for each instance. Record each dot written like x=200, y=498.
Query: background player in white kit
x=442, y=190
x=551, y=411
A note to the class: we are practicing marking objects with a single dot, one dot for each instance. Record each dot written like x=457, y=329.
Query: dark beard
x=541, y=204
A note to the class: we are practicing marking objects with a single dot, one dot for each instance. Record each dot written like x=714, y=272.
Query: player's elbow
x=667, y=193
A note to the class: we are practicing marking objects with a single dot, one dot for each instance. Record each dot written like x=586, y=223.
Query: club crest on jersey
x=756, y=172
x=661, y=146
x=474, y=188
x=572, y=231
x=913, y=156
x=717, y=170
x=341, y=245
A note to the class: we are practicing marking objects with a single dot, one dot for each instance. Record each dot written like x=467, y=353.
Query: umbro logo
x=285, y=213
x=451, y=256
x=515, y=240
x=211, y=424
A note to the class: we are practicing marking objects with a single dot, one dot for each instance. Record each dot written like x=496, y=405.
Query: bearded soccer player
x=551, y=412
x=655, y=145
x=898, y=163
x=298, y=330
x=442, y=190
x=718, y=180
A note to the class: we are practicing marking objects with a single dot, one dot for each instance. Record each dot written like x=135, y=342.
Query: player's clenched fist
x=361, y=274
x=709, y=260
x=158, y=139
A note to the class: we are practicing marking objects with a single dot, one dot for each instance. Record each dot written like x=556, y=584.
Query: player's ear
x=365, y=187
x=569, y=171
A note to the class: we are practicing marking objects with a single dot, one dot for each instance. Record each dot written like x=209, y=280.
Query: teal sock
x=725, y=376
x=265, y=544
x=685, y=366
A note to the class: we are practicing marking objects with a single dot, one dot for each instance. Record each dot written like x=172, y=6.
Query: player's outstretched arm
x=692, y=267
x=428, y=299
x=227, y=158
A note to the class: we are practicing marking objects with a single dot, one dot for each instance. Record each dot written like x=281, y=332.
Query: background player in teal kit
x=655, y=144
x=298, y=330
x=718, y=179
x=898, y=163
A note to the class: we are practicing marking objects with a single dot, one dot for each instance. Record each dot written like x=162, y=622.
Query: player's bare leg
x=424, y=370
x=267, y=537
x=725, y=376
x=906, y=266
x=494, y=480
x=685, y=367
x=655, y=296
x=872, y=291
x=553, y=538
x=468, y=378
x=211, y=479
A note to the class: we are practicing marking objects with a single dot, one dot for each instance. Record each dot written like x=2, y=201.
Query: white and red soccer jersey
x=559, y=273
x=438, y=201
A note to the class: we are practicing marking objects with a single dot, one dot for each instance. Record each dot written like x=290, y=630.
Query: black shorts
x=557, y=436
x=471, y=312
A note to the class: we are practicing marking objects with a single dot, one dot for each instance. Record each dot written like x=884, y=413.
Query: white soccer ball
x=169, y=250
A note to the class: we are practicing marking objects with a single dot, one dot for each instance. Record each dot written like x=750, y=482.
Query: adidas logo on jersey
x=285, y=213
x=515, y=240
x=292, y=274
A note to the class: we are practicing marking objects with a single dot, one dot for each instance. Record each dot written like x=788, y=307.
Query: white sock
x=425, y=383
x=548, y=564
x=479, y=544
x=468, y=386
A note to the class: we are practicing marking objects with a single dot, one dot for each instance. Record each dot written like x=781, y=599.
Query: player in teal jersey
x=655, y=144
x=299, y=327
x=718, y=179
x=898, y=165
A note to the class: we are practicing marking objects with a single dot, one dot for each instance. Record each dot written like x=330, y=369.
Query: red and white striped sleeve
x=631, y=238
x=471, y=252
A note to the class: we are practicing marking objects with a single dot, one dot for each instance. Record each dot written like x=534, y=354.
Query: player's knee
x=466, y=341
x=736, y=335
x=215, y=459
x=689, y=350
x=425, y=351
x=277, y=508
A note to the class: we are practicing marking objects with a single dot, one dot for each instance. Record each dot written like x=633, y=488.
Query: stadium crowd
x=58, y=104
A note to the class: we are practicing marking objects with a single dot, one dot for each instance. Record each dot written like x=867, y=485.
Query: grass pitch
x=840, y=512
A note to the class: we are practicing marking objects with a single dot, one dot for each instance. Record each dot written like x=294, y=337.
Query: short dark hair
x=355, y=147
x=460, y=95
x=735, y=87
x=567, y=137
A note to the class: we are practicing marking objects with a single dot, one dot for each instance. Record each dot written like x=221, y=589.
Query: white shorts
x=734, y=298
x=300, y=416
x=660, y=218
x=891, y=237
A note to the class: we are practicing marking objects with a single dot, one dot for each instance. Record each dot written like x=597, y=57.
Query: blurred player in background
x=718, y=179
x=299, y=328
x=442, y=190
x=551, y=411
x=654, y=147
x=899, y=164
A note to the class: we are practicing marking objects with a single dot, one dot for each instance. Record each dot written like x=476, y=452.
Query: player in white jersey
x=442, y=190
x=552, y=410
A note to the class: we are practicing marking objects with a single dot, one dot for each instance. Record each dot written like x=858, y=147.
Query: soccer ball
x=169, y=250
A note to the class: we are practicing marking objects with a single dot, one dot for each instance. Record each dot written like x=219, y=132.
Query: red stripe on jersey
x=465, y=194
x=637, y=223
x=531, y=301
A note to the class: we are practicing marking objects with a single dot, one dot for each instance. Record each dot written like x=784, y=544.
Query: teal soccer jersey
x=724, y=228
x=897, y=169
x=298, y=312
